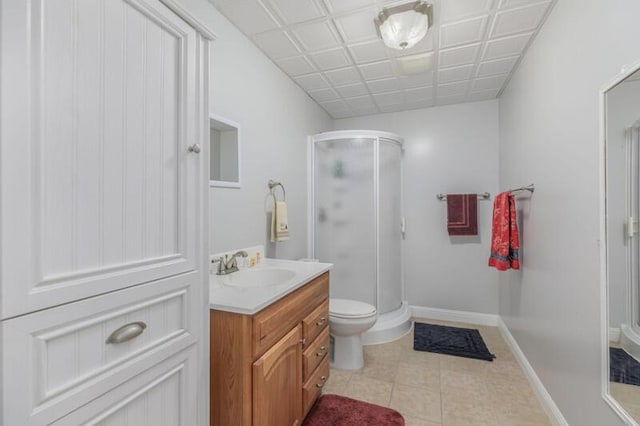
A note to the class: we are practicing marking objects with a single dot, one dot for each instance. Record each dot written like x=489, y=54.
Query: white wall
x=276, y=117
x=549, y=135
x=450, y=149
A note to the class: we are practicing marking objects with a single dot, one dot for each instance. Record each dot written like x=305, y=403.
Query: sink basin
x=262, y=277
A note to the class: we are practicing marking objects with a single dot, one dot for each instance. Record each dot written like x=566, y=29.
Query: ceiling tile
x=331, y=59
x=489, y=83
x=498, y=66
x=276, y=44
x=415, y=64
x=518, y=20
x=294, y=11
x=419, y=94
x=508, y=4
x=449, y=100
x=335, y=106
x=417, y=80
x=453, y=89
x=360, y=102
x=424, y=103
x=365, y=110
x=296, y=65
x=459, y=55
x=457, y=9
x=343, y=76
x=449, y=75
x=392, y=108
x=316, y=35
x=484, y=95
x=352, y=90
x=369, y=51
x=508, y=46
x=259, y=20
x=463, y=32
x=357, y=26
x=391, y=98
x=384, y=85
x=377, y=70
x=338, y=6
x=323, y=95
x=311, y=82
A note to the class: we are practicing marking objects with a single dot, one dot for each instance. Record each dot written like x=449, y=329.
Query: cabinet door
x=98, y=189
x=277, y=383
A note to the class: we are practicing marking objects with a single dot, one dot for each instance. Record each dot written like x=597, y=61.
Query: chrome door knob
x=195, y=148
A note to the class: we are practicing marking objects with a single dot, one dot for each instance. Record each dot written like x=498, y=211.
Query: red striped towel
x=462, y=214
x=505, y=242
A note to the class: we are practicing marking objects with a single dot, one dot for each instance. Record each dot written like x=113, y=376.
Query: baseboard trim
x=454, y=316
x=543, y=396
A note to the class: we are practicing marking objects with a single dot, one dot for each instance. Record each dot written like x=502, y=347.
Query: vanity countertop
x=249, y=300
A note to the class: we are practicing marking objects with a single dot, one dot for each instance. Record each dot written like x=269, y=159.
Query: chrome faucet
x=229, y=264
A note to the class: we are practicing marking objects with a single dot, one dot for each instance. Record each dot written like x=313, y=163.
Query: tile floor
x=432, y=389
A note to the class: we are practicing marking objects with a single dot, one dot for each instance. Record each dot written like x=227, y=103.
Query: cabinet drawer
x=313, y=386
x=162, y=395
x=315, y=353
x=273, y=322
x=315, y=322
x=65, y=361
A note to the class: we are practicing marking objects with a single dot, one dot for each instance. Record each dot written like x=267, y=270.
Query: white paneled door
x=101, y=211
x=102, y=193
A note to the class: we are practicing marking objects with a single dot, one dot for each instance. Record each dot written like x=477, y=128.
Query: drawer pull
x=324, y=379
x=322, y=322
x=126, y=332
x=323, y=350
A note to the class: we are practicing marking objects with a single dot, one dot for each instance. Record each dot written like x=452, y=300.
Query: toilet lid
x=350, y=308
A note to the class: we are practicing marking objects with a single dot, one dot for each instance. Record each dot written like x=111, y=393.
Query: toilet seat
x=345, y=308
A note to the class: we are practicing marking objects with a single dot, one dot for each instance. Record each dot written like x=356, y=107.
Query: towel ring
x=272, y=184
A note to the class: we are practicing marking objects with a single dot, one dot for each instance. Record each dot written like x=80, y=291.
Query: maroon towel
x=462, y=214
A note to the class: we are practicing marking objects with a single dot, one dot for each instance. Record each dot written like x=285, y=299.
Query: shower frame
x=390, y=325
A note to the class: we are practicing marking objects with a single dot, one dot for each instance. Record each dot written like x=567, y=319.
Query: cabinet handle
x=126, y=332
x=322, y=322
x=323, y=350
x=324, y=379
x=302, y=341
x=195, y=148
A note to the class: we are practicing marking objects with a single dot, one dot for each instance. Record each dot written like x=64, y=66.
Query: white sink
x=259, y=277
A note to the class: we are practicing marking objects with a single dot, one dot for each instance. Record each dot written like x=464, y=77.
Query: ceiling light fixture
x=402, y=26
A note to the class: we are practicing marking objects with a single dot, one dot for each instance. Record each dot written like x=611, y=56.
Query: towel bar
x=272, y=184
x=483, y=196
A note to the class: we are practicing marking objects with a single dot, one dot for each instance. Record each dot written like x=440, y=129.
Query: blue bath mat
x=465, y=342
x=623, y=368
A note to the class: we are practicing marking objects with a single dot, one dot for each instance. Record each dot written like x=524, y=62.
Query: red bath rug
x=336, y=410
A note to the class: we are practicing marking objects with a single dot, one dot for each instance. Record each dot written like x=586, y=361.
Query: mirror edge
x=625, y=72
x=223, y=183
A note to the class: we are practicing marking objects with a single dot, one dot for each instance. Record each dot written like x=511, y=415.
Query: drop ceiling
x=331, y=49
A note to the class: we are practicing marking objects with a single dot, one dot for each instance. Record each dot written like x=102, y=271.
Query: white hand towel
x=279, y=224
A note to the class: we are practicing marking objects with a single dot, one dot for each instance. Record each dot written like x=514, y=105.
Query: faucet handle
x=222, y=264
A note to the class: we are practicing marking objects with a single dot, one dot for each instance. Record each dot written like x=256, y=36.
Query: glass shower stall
x=357, y=222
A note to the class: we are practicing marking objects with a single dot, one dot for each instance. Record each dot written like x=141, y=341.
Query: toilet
x=348, y=319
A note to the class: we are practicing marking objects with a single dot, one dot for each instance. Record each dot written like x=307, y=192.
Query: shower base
x=390, y=326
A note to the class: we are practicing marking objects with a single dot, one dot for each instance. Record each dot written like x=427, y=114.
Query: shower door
x=345, y=215
x=389, y=226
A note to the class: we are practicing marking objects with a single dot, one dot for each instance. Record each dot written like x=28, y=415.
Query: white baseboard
x=455, y=316
x=614, y=334
x=545, y=399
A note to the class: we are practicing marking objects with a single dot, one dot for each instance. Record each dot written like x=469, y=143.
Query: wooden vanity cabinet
x=267, y=369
